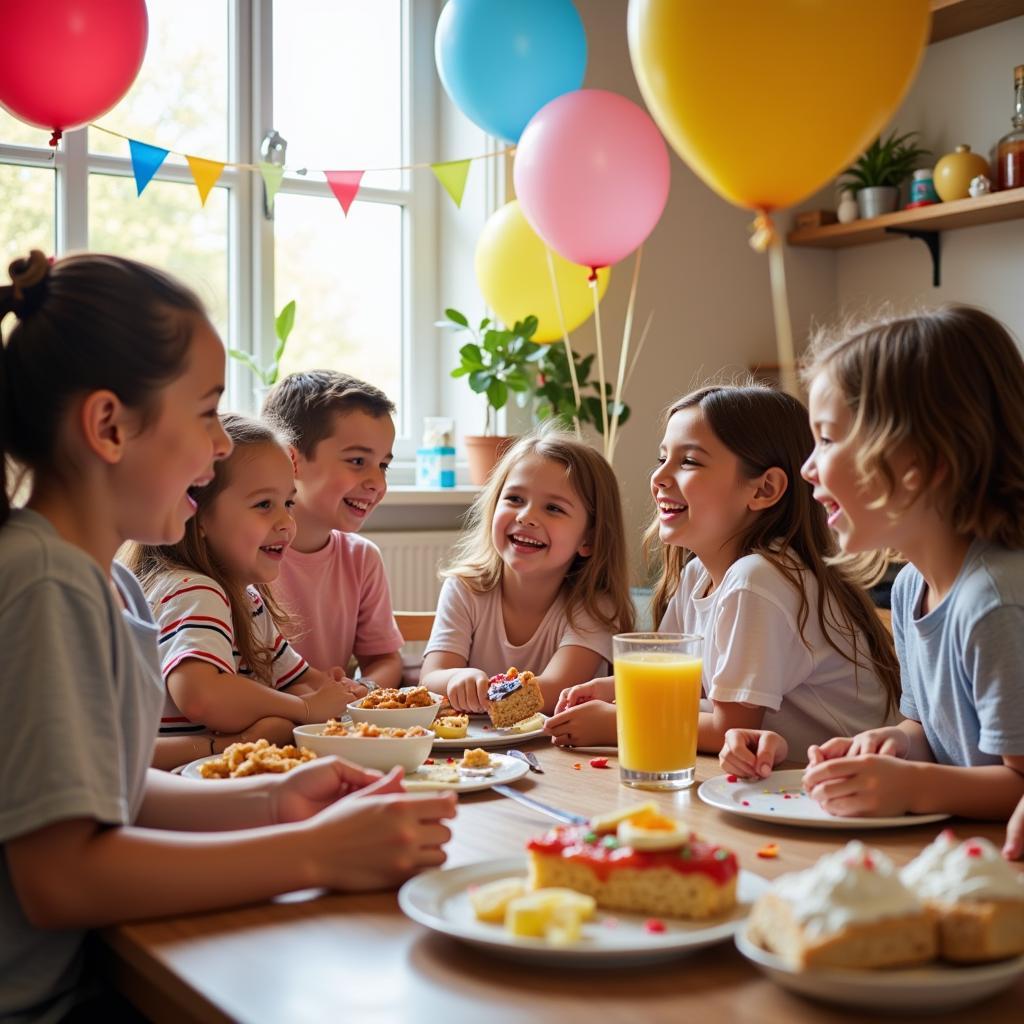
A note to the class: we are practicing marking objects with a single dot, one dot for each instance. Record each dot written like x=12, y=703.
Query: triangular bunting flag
x=344, y=185
x=205, y=174
x=272, y=175
x=452, y=174
x=146, y=161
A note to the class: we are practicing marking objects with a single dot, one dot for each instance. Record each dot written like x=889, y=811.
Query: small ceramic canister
x=922, y=189
x=954, y=171
x=847, y=209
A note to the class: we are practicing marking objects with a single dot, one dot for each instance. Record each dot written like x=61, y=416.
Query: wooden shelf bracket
x=930, y=239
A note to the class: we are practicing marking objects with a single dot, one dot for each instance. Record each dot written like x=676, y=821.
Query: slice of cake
x=848, y=910
x=637, y=861
x=978, y=897
x=513, y=696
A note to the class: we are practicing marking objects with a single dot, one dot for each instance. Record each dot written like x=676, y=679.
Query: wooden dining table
x=313, y=957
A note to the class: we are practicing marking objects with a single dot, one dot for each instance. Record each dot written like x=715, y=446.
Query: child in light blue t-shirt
x=919, y=431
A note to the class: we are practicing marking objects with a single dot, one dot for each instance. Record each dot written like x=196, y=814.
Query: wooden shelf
x=961, y=213
x=955, y=17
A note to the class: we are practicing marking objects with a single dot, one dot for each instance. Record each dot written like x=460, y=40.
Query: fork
x=529, y=757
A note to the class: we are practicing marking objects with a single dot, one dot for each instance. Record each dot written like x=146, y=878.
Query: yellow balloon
x=512, y=272
x=768, y=101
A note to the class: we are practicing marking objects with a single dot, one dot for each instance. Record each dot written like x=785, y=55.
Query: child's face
x=699, y=488
x=346, y=477
x=852, y=504
x=177, y=450
x=249, y=525
x=540, y=524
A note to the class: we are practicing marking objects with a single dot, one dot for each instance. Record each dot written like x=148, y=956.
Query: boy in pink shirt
x=340, y=436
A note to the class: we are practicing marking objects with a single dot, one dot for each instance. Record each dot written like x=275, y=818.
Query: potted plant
x=267, y=376
x=879, y=171
x=496, y=362
x=555, y=396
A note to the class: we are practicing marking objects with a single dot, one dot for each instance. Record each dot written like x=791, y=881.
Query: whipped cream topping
x=851, y=886
x=950, y=871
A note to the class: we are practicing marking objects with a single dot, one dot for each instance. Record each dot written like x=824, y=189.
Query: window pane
x=20, y=134
x=346, y=278
x=26, y=213
x=338, y=85
x=180, y=99
x=166, y=227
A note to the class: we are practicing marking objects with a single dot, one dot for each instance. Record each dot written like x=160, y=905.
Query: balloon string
x=600, y=364
x=568, y=344
x=762, y=232
x=783, y=326
x=639, y=349
x=627, y=333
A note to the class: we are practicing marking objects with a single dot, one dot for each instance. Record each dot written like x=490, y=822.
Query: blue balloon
x=500, y=61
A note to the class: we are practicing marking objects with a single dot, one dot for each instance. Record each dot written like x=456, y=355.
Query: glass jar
x=1010, y=150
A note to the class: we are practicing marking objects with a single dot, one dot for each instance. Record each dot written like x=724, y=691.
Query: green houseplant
x=267, y=376
x=877, y=174
x=555, y=398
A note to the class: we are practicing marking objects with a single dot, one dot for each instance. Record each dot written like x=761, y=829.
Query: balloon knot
x=762, y=232
x=592, y=276
x=56, y=137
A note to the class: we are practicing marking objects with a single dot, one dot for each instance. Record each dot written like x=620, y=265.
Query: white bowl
x=380, y=752
x=397, y=718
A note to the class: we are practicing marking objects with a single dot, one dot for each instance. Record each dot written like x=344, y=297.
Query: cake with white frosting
x=978, y=897
x=851, y=909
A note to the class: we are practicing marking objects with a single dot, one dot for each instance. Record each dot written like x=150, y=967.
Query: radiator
x=411, y=560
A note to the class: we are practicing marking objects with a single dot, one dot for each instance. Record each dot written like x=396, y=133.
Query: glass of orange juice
x=657, y=698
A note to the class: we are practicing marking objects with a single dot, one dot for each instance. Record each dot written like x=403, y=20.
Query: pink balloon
x=67, y=62
x=591, y=174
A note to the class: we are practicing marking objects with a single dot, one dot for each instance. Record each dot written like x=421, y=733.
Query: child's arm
x=1014, y=845
x=383, y=669
x=752, y=753
x=79, y=874
x=713, y=725
x=229, y=703
x=881, y=785
x=447, y=673
x=905, y=740
x=591, y=724
x=569, y=666
x=596, y=689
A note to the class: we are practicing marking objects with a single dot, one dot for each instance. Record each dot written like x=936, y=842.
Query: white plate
x=191, y=770
x=927, y=989
x=439, y=899
x=780, y=799
x=482, y=734
x=506, y=769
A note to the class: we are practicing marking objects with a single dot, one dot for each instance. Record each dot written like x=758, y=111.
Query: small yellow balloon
x=512, y=272
x=768, y=101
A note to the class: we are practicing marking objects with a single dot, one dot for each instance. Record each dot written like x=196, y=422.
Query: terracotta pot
x=483, y=452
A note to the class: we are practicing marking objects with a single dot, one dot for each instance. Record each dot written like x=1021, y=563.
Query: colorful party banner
x=344, y=185
x=453, y=174
x=146, y=161
x=272, y=176
x=205, y=174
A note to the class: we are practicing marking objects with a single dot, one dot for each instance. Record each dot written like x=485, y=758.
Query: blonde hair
x=763, y=428
x=950, y=384
x=149, y=562
x=597, y=585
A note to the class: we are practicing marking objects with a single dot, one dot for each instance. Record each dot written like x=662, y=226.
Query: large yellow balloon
x=512, y=272
x=767, y=101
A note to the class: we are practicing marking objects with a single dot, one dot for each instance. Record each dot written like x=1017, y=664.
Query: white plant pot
x=873, y=202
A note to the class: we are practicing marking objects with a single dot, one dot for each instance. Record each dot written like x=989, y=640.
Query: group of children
x=244, y=595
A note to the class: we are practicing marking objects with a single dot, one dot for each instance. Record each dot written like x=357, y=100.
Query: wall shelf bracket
x=931, y=239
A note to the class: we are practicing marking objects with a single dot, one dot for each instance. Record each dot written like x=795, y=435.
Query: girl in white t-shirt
x=229, y=671
x=791, y=644
x=539, y=579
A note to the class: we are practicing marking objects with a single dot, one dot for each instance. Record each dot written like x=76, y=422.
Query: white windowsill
x=407, y=494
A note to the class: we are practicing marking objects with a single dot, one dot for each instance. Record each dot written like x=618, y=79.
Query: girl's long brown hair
x=150, y=561
x=597, y=585
x=763, y=428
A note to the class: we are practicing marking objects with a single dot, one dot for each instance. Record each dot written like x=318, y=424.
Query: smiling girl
x=539, y=579
x=229, y=670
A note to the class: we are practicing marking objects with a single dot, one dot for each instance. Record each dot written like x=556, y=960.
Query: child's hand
x=308, y=789
x=329, y=701
x=595, y=689
x=378, y=837
x=467, y=691
x=585, y=725
x=865, y=785
x=357, y=689
x=1014, y=845
x=890, y=741
x=752, y=753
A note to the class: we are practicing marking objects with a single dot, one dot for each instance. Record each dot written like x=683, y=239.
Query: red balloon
x=67, y=62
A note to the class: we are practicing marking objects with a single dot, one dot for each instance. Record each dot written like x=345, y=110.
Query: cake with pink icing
x=978, y=897
x=850, y=909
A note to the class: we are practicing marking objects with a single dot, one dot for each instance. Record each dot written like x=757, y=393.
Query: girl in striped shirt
x=229, y=670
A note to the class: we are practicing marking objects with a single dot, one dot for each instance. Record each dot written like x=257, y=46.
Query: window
x=335, y=78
